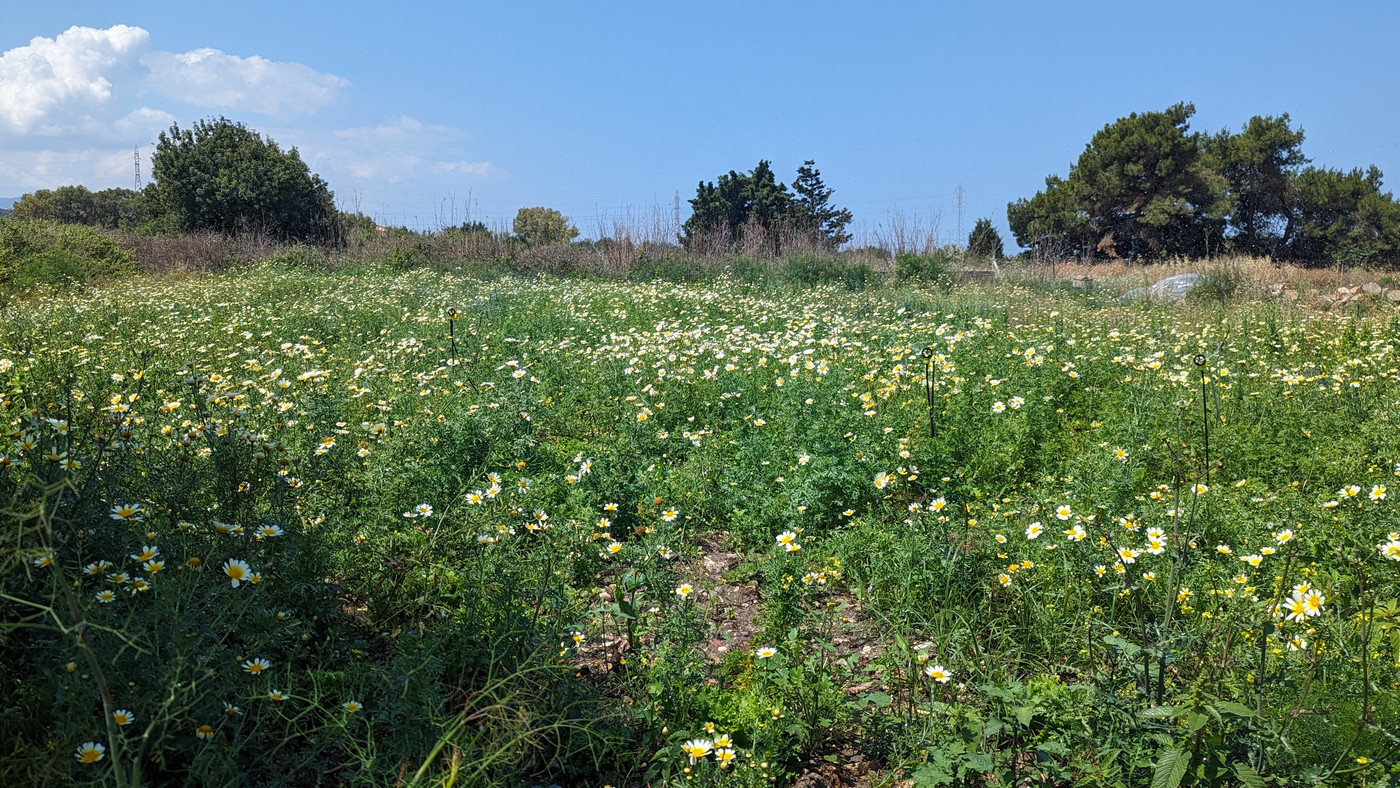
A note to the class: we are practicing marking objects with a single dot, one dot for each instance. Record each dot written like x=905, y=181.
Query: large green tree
x=110, y=208
x=1141, y=189
x=1343, y=217
x=812, y=212
x=541, y=226
x=984, y=240
x=1146, y=187
x=223, y=176
x=722, y=211
x=1260, y=165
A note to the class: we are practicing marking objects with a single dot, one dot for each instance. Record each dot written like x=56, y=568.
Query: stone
x=1393, y=295
x=1372, y=289
x=1173, y=288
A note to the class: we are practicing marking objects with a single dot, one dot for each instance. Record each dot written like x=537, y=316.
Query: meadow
x=287, y=527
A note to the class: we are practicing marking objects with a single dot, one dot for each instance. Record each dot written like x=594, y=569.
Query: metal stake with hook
x=1200, y=361
x=930, y=384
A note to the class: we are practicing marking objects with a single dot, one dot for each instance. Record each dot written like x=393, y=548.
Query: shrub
x=44, y=253
x=1220, y=284
x=931, y=268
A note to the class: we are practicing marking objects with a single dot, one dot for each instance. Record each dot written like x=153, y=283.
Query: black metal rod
x=1200, y=362
x=930, y=384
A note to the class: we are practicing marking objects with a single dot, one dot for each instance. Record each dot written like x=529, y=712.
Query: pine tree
x=812, y=210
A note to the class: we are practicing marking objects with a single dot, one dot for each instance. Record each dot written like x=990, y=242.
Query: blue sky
x=419, y=113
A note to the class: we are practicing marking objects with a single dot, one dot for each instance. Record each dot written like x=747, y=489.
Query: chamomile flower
x=277, y=695
x=204, y=732
x=882, y=480
x=90, y=752
x=269, y=531
x=684, y=590
x=123, y=717
x=1076, y=533
x=938, y=673
x=1378, y=493
x=669, y=515
x=126, y=511
x=1034, y=530
x=352, y=706
x=766, y=652
x=237, y=570
x=696, y=748
x=1390, y=549
x=1064, y=512
x=256, y=666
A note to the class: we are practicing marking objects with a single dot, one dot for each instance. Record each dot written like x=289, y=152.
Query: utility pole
x=136, y=159
x=958, y=198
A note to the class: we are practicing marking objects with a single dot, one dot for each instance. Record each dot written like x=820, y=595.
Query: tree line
x=1147, y=187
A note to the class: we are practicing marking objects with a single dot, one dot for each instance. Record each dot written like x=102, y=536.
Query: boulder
x=1372, y=289
x=1173, y=288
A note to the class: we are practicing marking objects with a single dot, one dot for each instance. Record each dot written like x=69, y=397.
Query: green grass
x=553, y=538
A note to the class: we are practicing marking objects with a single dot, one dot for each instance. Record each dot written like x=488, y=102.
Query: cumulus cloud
x=96, y=83
x=58, y=86
x=210, y=78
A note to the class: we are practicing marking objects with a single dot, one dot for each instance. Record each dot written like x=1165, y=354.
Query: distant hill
x=6, y=203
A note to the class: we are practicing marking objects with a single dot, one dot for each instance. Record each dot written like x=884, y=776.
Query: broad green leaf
x=1171, y=767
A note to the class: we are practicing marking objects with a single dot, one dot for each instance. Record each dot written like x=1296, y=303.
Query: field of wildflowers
x=283, y=527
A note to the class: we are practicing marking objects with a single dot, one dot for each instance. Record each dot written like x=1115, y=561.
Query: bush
x=935, y=268
x=1221, y=284
x=45, y=253
x=297, y=256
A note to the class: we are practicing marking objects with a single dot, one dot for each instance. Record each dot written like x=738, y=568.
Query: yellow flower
x=204, y=732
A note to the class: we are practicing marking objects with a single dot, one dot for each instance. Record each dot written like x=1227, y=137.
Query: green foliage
x=933, y=268
x=223, y=176
x=1344, y=217
x=546, y=531
x=984, y=241
x=542, y=226
x=46, y=253
x=109, y=208
x=812, y=212
x=809, y=270
x=1052, y=223
x=1260, y=165
x=754, y=206
x=1145, y=188
x=721, y=212
x=1141, y=188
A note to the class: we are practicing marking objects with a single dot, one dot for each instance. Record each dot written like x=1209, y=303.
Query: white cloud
x=401, y=150
x=210, y=78
x=91, y=83
x=72, y=83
